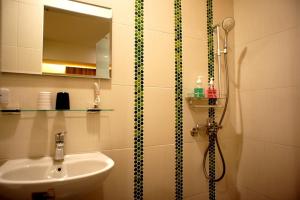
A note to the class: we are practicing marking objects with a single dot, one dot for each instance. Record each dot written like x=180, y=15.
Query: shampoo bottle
x=198, y=90
x=211, y=92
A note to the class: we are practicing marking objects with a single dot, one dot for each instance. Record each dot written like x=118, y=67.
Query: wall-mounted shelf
x=196, y=102
x=94, y=110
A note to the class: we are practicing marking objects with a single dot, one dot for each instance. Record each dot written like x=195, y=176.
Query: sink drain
x=59, y=169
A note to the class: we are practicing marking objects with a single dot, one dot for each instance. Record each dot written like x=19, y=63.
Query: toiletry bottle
x=211, y=92
x=97, y=95
x=198, y=90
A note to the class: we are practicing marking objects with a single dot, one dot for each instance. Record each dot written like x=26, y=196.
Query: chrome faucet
x=59, y=146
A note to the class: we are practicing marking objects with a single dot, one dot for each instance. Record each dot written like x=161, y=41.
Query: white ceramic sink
x=33, y=178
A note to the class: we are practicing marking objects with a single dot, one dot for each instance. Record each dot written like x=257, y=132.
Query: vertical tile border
x=139, y=100
x=178, y=103
x=211, y=111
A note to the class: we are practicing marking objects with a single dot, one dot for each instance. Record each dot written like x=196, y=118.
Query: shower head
x=228, y=24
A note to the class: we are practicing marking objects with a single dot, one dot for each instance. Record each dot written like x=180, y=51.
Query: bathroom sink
x=43, y=178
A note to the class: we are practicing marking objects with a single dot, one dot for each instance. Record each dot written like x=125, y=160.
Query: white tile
x=29, y=60
x=30, y=28
x=122, y=54
x=159, y=15
x=159, y=59
x=159, y=172
x=9, y=58
x=9, y=22
x=159, y=107
x=280, y=16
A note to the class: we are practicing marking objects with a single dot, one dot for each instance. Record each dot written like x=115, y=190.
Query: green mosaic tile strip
x=211, y=111
x=139, y=100
x=178, y=103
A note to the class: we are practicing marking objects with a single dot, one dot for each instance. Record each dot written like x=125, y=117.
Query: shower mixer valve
x=209, y=127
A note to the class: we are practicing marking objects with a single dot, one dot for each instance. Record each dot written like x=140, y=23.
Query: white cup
x=44, y=101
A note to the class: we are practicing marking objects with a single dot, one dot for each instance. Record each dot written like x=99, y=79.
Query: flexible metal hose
x=216, y=133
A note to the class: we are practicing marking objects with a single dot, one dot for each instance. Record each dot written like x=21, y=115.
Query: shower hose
x=214, y=134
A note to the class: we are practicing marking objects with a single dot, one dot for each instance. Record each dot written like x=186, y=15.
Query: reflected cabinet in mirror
x=56, y=37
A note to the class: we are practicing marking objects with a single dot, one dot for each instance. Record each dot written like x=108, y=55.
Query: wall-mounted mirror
x=77, y=40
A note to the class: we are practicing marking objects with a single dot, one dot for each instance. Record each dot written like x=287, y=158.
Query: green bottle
x=199, y=90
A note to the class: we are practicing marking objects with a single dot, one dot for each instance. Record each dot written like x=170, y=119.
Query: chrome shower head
x=228, y=24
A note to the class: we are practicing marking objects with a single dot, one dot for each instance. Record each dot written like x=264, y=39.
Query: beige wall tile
x=257, y=114
x=285, y=106
x=122, y=54
x=202, y=196
x=29, y=60
x=9, y=58
x=159, y=17
x=270, y=62
x=194, y=19
x=117, y=131
x=119, y=183
x=159, y=172
x=194, y=179
x=30, y=26
x=159, y=107
x=194, y=62
x=282, y=172
x=246, y=194
x=9, y=22
x=251, y=166
x=281, y=15
x=159, y=59
x=103, y=3
x=39, y=2
x=123, y=12
x=222, y=9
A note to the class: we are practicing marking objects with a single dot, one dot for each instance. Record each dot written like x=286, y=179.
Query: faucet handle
x=59, y=137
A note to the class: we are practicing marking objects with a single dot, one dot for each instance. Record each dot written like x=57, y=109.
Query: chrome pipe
x=217, y=28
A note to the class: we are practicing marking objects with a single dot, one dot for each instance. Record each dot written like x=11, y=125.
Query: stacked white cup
x=44, y=101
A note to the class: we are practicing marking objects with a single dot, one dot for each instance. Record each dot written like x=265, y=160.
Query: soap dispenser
x=198, y=90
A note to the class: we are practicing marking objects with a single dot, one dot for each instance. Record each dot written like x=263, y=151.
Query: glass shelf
x=92, y=110
x=202, y=102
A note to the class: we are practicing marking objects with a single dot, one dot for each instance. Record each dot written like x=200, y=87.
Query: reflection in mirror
x=76, y=44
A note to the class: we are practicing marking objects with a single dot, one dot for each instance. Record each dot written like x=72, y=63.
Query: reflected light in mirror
x=80, y=8
x=53, y=68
